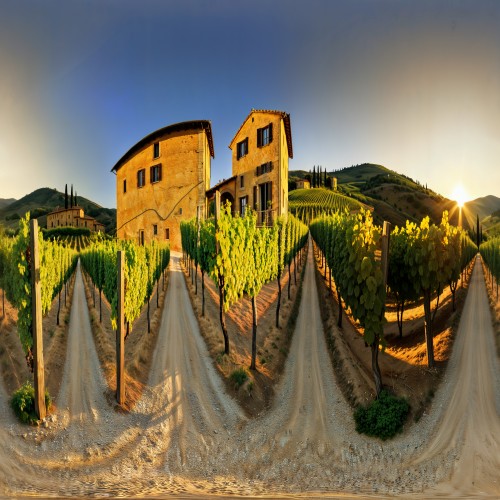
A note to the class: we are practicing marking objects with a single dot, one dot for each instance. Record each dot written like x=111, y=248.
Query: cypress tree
x=477, y=230
x=71, y=195
x=66, y=197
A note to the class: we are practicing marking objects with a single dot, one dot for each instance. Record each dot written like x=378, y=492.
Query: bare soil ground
x=186, y=436
x=272, y=343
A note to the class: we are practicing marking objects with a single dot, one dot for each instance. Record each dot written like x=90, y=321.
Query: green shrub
x=239, y=377
x=23, y=403
x=383, y=418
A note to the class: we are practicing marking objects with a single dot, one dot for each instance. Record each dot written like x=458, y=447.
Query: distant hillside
x=307, y=203
x=394, y=197
x=484, y=207
x=4, y=202
x=44, y=200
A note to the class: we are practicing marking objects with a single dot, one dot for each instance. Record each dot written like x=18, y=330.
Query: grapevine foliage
x=143, y=267
x=57, y=263
x=350, y=243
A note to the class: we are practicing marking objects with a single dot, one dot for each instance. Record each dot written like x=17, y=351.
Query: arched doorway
x=227, y=196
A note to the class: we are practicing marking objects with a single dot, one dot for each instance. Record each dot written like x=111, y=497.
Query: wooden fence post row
x=36, y=319
x=120, y=338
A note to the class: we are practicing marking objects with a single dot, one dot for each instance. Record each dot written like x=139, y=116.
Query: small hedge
x=65, y=231
x=383, y=418
x=23, y=403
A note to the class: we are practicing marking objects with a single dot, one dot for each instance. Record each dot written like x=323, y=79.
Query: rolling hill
x=44, y=200
x=4, y=202
x=394, y=197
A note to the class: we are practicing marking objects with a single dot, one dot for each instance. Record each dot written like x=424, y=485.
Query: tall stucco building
x=260, y=151
x=162, y=180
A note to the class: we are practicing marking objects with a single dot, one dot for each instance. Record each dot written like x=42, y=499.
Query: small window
x=141, y=178
x=141, y=237
x=156, y=150
x=243, y=205
x=125, y=185
x=155, y=173
x=167, y=233
x=265, y=168
x=155, y=229
x=265, y=135
x=180, y=211
x=242, y=181
x=242, y=149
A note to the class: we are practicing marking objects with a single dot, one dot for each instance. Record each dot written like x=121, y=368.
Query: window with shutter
x=141, y=178
x=155, y=173
x=242, y=149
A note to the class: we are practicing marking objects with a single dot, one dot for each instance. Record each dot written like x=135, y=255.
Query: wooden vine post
x=120, y=337
x=36, y=304
x=386, y=230
x=377, y=375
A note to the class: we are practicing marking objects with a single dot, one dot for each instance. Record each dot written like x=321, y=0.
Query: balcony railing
x=266, y=217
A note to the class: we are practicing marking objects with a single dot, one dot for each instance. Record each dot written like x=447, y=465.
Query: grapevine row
x=490, y=252
x=144, y=266
x=307, y=204
x=57, y=263
x=350, y=245
x=248, y=257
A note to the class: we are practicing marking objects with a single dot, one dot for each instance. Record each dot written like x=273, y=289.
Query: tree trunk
x=149, y=321
x=254, y=333
x=295, y=269
x=157, y=295
x=163, y=280
x=221, y=315
x=339, y=322
x=437, y=304
x=428, y=329
x=66, y=293
x=58, y=308
x=128, y=329
x=278, y=304
x=196, y=279
x=289, y=281
x=399, y=314
x=93, y=292
x=330, y=284
x=202, y=293
x=453, y=288
x=100, y=306
x=377, y=376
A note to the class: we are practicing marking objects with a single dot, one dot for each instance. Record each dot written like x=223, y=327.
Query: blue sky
x=412, y=85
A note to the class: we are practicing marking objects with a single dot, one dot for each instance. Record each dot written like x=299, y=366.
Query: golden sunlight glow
x=460, y=195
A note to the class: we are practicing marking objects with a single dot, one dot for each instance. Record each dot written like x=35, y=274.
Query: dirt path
x=186, y=436
x=82, y=393
x=473, y=411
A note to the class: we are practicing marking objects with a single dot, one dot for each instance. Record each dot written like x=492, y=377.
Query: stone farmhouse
x=165, y=177
x=73, y=217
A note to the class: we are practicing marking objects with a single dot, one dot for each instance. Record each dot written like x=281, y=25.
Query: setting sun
x=460, y=195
